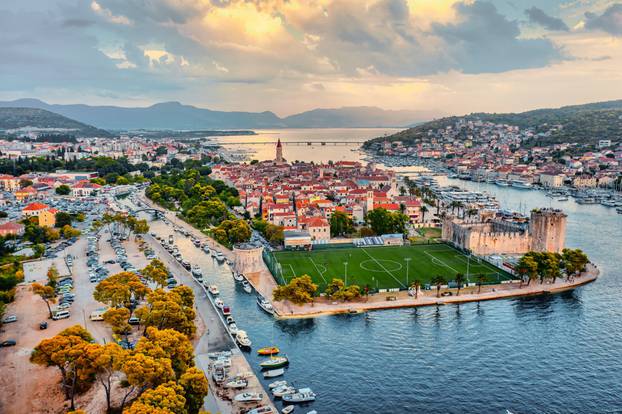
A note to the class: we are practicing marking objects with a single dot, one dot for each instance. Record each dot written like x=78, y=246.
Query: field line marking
x=439, y=260
x=384, y=268
x=292, y=270
x=318, y=269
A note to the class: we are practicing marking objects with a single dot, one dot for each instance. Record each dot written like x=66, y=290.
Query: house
x=296, y=239
x=11, y=228
x=25, y=193
x=47, y=218
x=318, y=228
x=84, y=188
x=9, y=182
x=34, y=209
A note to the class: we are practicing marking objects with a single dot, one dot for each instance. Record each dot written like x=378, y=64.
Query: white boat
x=303, y=395
x=521, y=184
x=229, y=319
x=274, y=373
x=233, y=328
x=266, y=409
x=237, y=383
x=248, y=397
x=247, y=287
x=242, y=338
x=219, y=372
x=288, y=409
x=312, y=412
x=220, y=257
x=216, y=355
x=281, y=391
x=219, y=303
x=225, y=361
x=265, y=305
x=277, y=384
x=619, y=210
x=213, y=290
x=239, y=277
x=502, y=183
x=562, y=199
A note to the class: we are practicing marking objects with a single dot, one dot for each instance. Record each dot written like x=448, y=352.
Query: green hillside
x=584, y=124
x=13, y=118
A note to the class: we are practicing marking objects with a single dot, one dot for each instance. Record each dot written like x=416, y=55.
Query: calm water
x=552, y=354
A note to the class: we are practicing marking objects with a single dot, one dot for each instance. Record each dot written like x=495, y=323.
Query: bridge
x=154, y=211
x=299, y=143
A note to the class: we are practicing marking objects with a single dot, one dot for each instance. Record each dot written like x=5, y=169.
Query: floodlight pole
x=407, y=260
x=345, y=265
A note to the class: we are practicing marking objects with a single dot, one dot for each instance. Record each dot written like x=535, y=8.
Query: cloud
x=539, y=17
x=610, y=21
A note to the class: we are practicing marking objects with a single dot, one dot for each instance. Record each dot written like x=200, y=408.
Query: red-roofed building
x=33, y=209
x=11, y=228
x=84, y=188
x=25, y=193
x=318, y=228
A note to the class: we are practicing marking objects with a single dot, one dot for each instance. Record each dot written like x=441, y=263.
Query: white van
x=97, y=315
x=64, y=314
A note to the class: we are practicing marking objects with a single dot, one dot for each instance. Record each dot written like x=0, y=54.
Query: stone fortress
x=544, y=232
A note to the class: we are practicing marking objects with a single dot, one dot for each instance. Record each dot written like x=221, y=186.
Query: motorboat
x=302, y=395
x=248, y=397
x=247, y=287
x=266, y=409
x=217, y=355
x=237, y=383
x=312, y=412
x=225, y=361
x=564, y=198
x=233, y=328
x=213, y=290
x=238, y=277
x=196, y=271
x=268, y=350
x=274, y=373
x=219, y=303
x=226, y=310
x=265, y=305
x=274, y=362
x=284, y=390
x=242, y=338
x=288, y=409
x=502, y=183
x=219, y=373
x=229, y=319
x=521, y=184
x=277, y=384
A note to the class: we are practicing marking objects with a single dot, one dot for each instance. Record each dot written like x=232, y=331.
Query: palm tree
x=416, y=284
x=424, y=209
x=481, y=278
x=439, y=281
x=459, y=281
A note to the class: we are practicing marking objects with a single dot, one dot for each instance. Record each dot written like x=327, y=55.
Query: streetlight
x=407, y=260
x=345, y=265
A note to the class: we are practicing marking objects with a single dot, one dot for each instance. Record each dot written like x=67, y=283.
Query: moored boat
x=284, y=390
x=247, y=287
x=233, y=328
x=226, y=310
x=274, y=362
x=288, y=409
x=303, y=395
x=274, y=373
x=265, y=305
x=213, y=290
x=242, y=338
x=266, y=409
x=237, y=383
x=277, y=384
x=268, y=350
x=239, y=277
x=219, y=303
x=248, y=397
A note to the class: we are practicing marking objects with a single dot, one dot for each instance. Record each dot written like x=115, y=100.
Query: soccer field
x=384, y=267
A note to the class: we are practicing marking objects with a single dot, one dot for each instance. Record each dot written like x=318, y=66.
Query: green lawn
x=383, y=267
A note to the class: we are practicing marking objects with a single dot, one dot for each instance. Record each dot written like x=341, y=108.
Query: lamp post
x=407, y=260
x=345, y=265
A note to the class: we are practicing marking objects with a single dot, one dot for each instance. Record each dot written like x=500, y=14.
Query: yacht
x=502, y=183
x=239, y=277
x=303, y=395
x=248, y=397
x=274, y=373
x=284, y=390
x=265, y=305
x=233, y=328
x=563, y=198
x=242, y=338
x=274, y=362
x=522, y=184
x=247, y=287
x=213, y=290
x=277, y=384
x=219, y=303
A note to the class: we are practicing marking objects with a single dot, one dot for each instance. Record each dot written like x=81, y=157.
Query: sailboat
x=274, y=362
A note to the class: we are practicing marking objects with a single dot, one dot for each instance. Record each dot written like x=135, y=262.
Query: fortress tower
x=547, y=228
x=279, y=152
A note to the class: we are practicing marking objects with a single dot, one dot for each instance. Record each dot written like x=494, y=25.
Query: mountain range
x=176, y=116
x=17, y=118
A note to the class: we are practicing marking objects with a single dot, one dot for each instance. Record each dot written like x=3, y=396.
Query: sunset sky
x=451, y=57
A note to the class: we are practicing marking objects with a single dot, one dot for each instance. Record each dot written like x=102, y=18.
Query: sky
x=288, y=56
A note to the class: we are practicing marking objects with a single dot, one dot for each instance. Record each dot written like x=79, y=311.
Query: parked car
x=63, y=314
x=9, y=319
x=8, y=342
x=43, y=325
x=134, y=321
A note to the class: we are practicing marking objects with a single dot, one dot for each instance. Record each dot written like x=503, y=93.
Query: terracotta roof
x=317, y=222
x=35, y=207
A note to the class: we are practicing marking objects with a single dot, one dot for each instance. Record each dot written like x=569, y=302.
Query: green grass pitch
x=384, y=267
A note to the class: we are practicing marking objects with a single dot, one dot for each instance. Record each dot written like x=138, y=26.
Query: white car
x=64, y=305
x=9, y=319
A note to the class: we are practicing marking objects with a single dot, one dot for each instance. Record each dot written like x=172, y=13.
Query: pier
x=298, y=143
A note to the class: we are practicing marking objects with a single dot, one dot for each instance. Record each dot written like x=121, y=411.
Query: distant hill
x=585, y=123
x=33, y=118
x=176, y=116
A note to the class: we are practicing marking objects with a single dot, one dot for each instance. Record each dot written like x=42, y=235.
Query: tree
x=118, y=318
x=574, y=260
x=459, y=282
x=140, y=227
x=333, y=287
x=170, y=344
x=118, y=289
x=195, y=387
x=527, y=267
x=384, y=222
x=52, y=276
x=481, y=279
x=143, y=371
x=349, y=293
x=174, y=310
x=341, y=224
x=166, y=398
x=299, y=290
x=62, y=219
x=156, y=272
x=423, y=210
x=46, y=293
x=107, y=361
x=69, y=232
x=438, y=281
x=63, y=189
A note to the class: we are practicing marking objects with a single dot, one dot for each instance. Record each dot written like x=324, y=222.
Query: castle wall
x=548, y=230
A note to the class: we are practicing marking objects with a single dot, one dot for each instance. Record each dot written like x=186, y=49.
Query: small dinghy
x=288, y=409
x=268, y=350
x=274, y=373
x=277, y=384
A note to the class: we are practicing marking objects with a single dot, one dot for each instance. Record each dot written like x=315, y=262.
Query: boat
x=312, y=412
x=226, y=310
x=284, y=390
x=242, y=338
x=265, y=305
x=248, y=397
x=521, y=184
x=213, y=252
x=288, y=409
x=219, y=372
x=229, y=319
x=233, y=328
x=219, y=303
x=502, y=183
x=213, y=290
x=619, y=210
x=216, y=355
x=274, y=373
x=225, y=361
x=239, y=277
x=302, y=395
x=266, y=409
x=220, y=257
x=268, y=350
x=274, y=362
x=277, y=384
x=247, y=287
x=237, y=383
x=196, y=271
x=562, y=198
